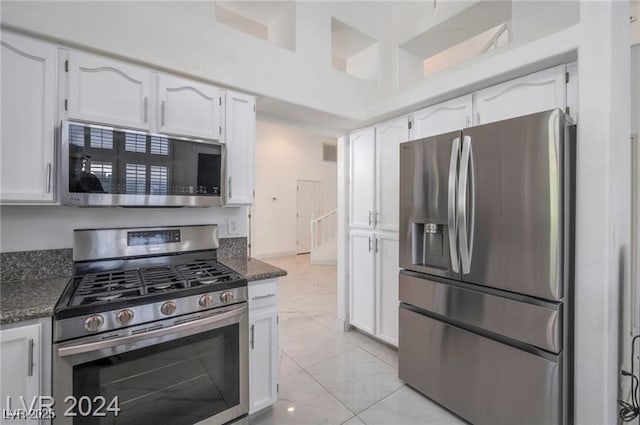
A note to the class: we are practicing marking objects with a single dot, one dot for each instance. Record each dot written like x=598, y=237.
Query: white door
x=362, y=176
x=388, y=137
x=240, y=119
x=362, y=280
x=309, y=196
x=444, y=117
x=188, y=108
x=20, y=366
x=28, y=93
x=263, y=363
x=106, y=91
x=533, y=93
x=387, y=287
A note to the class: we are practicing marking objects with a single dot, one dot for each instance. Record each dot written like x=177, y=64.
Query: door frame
x=298, y=181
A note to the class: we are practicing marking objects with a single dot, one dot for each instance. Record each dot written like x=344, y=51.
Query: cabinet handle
x=30, y=357
x=370, y=218
x=369, y=244
x=377, y=250
x=162, y=112
x=230, y=192
x=376, y=219
x=260, y=297
x=146, y=109
x=477, y=118
x=48, y=177
x=253, y=337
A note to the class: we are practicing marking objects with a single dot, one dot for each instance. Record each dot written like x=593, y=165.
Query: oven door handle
x=185, y=329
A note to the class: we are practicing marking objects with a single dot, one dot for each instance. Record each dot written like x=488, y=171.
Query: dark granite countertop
x=253, y=269
x=30, y=299
x=34, y=298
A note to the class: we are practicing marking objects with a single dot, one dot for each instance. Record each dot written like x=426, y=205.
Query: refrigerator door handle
x=464, y=229
x=452, y=222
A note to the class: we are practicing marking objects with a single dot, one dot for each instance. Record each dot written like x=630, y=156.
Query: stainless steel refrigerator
x=486, y=248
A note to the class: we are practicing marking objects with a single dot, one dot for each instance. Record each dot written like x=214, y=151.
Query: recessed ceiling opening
x=272, y=21
x=354, y=52
x=471, y=33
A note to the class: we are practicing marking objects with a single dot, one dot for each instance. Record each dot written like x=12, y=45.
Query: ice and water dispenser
x=429, y=244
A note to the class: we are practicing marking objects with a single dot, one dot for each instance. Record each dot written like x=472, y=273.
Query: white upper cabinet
x=444, y=117
x=106, y=91
x=240, y=118
x=533, y=93
x=362, y=176
x=28, y=93
x=388, y=137
x=188, y=108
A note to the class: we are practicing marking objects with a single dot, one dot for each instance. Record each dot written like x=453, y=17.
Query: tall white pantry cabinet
x=373, y=235
x=374, y=182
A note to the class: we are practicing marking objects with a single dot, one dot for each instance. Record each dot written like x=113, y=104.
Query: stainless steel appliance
x=106, y=166
x=486, y=244
x=152, y=318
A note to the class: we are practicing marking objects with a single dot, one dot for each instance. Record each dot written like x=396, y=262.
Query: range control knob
x=226, y=297
x=168, y=308
x=93, y=323
x=206, y=301
x=125, y=316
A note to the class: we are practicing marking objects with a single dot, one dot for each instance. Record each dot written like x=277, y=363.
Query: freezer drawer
x=483, y=381
x=538, y=325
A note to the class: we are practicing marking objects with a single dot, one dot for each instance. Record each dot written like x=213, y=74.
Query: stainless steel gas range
x=151, y=329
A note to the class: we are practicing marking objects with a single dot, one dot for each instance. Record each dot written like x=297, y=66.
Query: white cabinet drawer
x=263, y=293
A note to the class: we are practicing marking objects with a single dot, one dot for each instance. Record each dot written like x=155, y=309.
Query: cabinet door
x=188, y=108
x=362, y=280
x=263, y=363
x=387, y=287
x=388, y=138
x=444, y=117
x=20, y=366
x=106, y=91
x=362, y=175
x=537, y=92
x=241, y=140
x=29, y=75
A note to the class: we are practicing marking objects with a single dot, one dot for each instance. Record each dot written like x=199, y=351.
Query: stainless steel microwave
x=106, y=166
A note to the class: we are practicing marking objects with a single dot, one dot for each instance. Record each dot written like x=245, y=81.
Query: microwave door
x=511, y=205
x=428, y=186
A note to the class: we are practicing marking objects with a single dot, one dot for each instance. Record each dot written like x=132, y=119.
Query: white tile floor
x=331, y=377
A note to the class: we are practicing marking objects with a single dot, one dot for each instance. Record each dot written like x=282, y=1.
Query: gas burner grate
x=163, y=278
x=202, y=273
x=107, y=286
x=104, y=287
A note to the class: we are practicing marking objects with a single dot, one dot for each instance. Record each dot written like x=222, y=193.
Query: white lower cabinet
x=263, y=344
x=25, y=367
x=373, y=283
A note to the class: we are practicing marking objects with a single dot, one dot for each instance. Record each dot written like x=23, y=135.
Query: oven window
x=179, y=382
x=131, y=163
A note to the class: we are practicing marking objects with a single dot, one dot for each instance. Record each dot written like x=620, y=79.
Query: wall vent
x=329, y=152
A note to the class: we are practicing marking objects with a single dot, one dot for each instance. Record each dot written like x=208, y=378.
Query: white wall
x=26, y=228
x=285, y=155
x=602, y=262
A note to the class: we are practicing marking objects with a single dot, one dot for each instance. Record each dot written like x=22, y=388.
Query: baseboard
x=342, y=325
x=274, y=255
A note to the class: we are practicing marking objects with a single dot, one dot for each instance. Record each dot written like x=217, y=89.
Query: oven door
x=191, y=372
